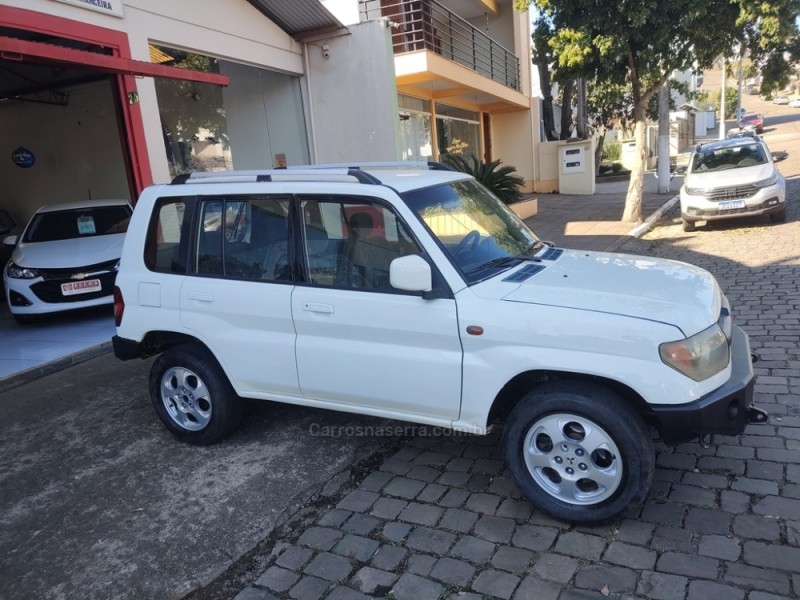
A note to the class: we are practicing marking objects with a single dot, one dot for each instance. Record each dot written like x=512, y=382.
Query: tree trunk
x=566, y=108
x=633, y=200
x=598, y=151
x=548, y=120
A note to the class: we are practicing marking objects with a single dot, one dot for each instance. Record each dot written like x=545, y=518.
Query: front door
x=359, y=341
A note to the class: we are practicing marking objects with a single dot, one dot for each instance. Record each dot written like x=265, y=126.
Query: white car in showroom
x=730, y=179
x=66, y=258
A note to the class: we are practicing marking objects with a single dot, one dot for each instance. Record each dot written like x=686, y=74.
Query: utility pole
x=722, y=102
x=739, y=101
x=663, y=139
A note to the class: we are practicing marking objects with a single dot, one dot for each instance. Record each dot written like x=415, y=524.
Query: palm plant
x=501, y=181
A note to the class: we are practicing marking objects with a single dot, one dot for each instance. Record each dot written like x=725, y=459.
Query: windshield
x=731, y=157
x=78, y=223
x=481, y=235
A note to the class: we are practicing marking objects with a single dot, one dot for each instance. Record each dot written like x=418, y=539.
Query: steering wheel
x=469, y=242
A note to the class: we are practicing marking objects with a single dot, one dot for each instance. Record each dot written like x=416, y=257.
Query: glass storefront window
x=193, y=117
x=416, y=141
x=256, y=122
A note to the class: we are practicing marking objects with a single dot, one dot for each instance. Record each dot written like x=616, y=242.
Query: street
x=97, y=500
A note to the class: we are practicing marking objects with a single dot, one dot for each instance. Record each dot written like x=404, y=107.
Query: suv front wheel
x=579, y=452
x=193, y=397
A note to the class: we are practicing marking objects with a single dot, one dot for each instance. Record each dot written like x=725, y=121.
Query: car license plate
x=731, y=204
x=80, y=287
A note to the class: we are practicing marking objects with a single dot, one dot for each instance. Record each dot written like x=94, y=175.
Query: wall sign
x=109, y=7
x=23, y=158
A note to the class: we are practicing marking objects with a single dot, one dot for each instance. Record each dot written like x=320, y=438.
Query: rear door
x=237, y=297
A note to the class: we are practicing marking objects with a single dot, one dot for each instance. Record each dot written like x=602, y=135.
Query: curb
x=640, y=230
x=59, y=364
x=643, y=228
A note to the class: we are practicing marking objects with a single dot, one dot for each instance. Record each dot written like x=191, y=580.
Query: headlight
x=700, y=356
x=695, y=191
x=767, y=182
x=17, y=272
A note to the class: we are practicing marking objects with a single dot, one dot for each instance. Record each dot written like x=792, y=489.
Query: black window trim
x=439, y=287
x=190, y=206
x=192, y=267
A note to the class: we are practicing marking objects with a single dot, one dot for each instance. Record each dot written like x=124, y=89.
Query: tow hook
x=706, y=440
x=753, y=357
x=757, y=415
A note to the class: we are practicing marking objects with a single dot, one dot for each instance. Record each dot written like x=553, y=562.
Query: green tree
x=639, y=43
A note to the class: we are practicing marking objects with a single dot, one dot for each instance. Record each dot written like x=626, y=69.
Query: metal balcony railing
x=427, y=25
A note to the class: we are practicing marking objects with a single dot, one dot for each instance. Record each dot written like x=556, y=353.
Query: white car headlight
x=693, y=191
x=16, y=272
x=700, y=356
x=767, y=182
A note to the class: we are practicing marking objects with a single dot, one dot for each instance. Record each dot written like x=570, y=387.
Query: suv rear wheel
x=193, y=397
x=579, y=452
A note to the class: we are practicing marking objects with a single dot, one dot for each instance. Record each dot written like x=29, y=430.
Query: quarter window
x=167, y=242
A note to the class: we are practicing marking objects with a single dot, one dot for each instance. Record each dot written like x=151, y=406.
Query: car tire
x=193, y=397
x=579, y=452
x=688, y=225
x=778, y=217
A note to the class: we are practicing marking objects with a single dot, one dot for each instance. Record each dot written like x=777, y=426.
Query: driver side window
x=350, y=242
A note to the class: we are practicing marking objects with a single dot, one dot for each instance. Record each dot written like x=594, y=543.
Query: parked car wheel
x=579, y=452
x=193, y=397
x=778, y=217
x=688, y=225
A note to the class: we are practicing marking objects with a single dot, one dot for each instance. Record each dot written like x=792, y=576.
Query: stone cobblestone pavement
x=440, y=518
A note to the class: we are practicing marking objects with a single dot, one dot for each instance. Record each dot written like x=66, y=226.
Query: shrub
x=501, y=181
x=612, y=150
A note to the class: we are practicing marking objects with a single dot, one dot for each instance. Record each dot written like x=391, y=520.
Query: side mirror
x=410, y=273
x=11, y=240
x=779, y=155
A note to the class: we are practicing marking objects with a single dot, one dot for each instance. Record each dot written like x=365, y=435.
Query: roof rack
x=325, y=172
x=275, y=175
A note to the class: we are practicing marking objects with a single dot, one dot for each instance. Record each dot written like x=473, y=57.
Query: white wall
x=77, y=148
x=353, y=96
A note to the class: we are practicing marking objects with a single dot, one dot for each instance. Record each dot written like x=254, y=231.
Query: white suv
x=412, y=293
x=732, y=178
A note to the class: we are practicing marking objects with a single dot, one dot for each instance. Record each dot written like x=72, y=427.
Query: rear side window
x=167, y=247
x=244, y=238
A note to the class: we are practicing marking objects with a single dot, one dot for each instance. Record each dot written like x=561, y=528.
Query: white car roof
x=399, y=176
x=81, y=204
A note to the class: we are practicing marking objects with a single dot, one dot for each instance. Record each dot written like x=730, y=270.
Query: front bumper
x=766, y=201
x=725, y=411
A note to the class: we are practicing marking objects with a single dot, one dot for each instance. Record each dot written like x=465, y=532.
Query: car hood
x=660, y=290
x=730, y=177
x=64, y=254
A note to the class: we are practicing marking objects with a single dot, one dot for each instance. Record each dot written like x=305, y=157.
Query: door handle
x=318, y=307
x=200, y=297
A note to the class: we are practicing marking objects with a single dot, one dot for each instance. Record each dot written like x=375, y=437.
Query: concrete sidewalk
x=593, y=222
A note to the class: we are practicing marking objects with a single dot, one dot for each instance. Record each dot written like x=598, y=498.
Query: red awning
x=23, y=50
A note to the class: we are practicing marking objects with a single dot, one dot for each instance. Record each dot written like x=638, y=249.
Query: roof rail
x=291, y=174
x=395, y=164
x=314, y=172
